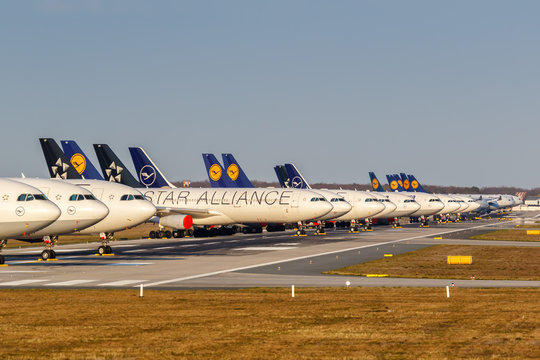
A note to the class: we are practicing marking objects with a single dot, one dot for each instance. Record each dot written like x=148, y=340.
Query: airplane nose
x=323, y=208
x=377, y=207
x=145, y=210
x=339, y=208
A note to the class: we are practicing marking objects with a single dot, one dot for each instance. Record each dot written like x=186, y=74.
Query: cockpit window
x=139, y=197
x=76, y=197
x=40, y=197
x=89, y=197
x=127, y=197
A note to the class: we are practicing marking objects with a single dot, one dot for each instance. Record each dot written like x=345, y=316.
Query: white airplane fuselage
x=340, y=206
x=127, y=207
x=364, y=205
x=405, y=204
x=429, y=203
x=20, y=217
x=224, y=206
x=79, y=207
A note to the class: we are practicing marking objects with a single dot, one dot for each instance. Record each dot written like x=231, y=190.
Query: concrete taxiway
x=275, y=259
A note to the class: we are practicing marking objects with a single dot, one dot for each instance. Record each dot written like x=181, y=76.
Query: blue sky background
x=446, y=90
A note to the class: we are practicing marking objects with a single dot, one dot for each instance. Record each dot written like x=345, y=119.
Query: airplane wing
x=194, y=213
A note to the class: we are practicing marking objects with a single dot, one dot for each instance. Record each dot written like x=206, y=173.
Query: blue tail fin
x=214, y=170
x=235, y=172
x=113, y=168
x=375, y=184
x=282, y=176
x=149, y=174
x=57, y=162
x=394, y=183
x=80, y=161
x=405, y=181
x=415, y=185
x=297, y=181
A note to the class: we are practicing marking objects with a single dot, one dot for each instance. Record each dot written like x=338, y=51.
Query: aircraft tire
x=101, y=250
x=168, y=234
x=2, y=260
x=53, y=254
x=152, y=234
x=108, y=249
x=160, y=234
x=45, y=254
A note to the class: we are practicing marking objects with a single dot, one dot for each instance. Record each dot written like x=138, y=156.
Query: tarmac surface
x=246, y=260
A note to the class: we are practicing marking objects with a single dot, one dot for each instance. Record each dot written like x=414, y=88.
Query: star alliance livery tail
x=235, y=172
x=375, y=183
x=57, y=162
x=80, y=161
x=113, y=168
x=149, y=174
x=215, y=173
x=282, y=176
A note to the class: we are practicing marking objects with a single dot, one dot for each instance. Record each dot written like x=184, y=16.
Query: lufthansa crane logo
x=233, y=172
x=79, y=162
x=147, y=175
x=394, y=185
x=375, y=184
x=414, y=184
x=71, y=210
x=19, y=211
x=215, y=172
x=406, y=184
x=297, y=182
x=400, y=183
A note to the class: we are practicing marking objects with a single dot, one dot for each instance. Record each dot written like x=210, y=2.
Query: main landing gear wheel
x=104, y=250
x=48, y=254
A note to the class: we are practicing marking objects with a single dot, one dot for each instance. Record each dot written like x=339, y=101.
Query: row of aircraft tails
x=78, y=199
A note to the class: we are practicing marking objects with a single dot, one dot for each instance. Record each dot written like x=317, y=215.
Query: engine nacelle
x=178, y=222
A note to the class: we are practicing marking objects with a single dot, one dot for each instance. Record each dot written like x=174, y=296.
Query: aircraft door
x=98, y=193
x=295, y=199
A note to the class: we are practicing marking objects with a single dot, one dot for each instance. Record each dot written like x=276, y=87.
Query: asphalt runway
x=242, y=260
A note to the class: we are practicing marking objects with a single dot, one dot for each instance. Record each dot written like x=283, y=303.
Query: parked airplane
x=429, y=204
x=209, y=207
x=23, y=210
x=238, y=178
x=405, y=204
x=80, y=209
x=127, y=207
x=364, y=205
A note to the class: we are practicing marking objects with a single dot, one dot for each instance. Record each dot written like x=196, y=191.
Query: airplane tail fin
x=57, y=162
x=405, y=181
x=296, y=179
x=79, y=160
x=415, y=185
x=375, y=184
x=113, y=168
x=394, y=183
x=149, y=174
x=282, y=176
x=235, y=172
x=215, y=172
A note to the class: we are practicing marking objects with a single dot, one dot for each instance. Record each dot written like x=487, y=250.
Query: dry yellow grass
x=507, y=235
x=489, y=262
x=356, y=323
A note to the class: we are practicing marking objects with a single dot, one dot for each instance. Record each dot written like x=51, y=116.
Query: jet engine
x=179, y=222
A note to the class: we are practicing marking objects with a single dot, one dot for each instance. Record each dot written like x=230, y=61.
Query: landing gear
x=178, y=234
x=396, y=224
x=49, y=253
x=320, y=229
x=353, y=227
x=105, y=249
x=424, y=222
x=367, y=225
x=2, y=244
x=301, y=231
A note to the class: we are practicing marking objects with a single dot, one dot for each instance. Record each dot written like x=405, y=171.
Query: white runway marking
x=188, y=245
x=212, y=243
x=70, y=282
x=117, y=246
x=20, y=271
x=266, y=248
x=163, y=248
x=198, y=276
x=133, y=251
x=122, y=282
x=288, y=244
x=21, y=282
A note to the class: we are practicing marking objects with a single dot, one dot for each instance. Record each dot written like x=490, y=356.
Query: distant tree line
x=436, y=189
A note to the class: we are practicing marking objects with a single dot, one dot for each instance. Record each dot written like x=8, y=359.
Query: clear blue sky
x=449, y=91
